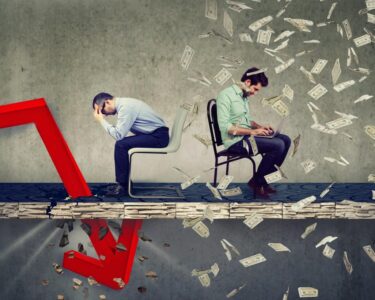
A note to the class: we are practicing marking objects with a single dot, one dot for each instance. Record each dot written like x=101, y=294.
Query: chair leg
x=227, y=169
x=215, y=172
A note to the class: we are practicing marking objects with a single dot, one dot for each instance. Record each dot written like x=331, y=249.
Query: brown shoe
x=259, y=190
x=269, y=189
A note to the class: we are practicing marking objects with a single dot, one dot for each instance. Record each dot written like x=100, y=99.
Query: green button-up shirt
x=232, y=109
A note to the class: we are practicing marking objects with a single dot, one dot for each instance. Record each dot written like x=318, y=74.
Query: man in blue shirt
x=236, y=126
x=133, y=116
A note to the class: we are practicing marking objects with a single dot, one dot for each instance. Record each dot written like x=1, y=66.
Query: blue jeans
x=156, y=139
x=274, y=152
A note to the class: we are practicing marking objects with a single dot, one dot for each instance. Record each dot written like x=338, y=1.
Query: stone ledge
x=179, y=210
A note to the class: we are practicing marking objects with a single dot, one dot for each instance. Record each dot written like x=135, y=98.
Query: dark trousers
x=156, y=139
x=274, y=152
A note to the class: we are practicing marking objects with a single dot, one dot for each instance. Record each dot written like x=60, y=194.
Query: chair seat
x=226, y=152
x=167, y=149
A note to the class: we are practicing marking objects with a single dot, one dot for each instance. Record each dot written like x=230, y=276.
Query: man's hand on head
x=97, y=113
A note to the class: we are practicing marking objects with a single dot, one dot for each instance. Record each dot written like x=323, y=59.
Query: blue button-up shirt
x=133, y=115
x=232, y=110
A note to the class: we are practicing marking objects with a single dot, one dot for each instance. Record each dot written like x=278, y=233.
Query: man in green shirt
x=236, y=126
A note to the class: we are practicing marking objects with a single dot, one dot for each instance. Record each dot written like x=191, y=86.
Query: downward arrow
x=114, y=265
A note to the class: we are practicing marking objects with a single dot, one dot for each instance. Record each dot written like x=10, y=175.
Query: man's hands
x=97, y=113
x=268, y=128
x=259, y=131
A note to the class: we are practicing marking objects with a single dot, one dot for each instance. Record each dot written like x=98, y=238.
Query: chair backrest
x=178, y=126
x=213, y=124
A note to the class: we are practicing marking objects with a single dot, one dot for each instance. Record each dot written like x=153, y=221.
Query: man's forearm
x=255, y=125
x=235, y=130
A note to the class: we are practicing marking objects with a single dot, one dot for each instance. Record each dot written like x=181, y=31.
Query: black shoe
x=117, y=190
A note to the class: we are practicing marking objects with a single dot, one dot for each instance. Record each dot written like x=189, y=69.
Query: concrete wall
x=67, y=51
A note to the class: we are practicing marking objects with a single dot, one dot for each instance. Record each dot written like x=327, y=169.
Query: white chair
x=173, y=146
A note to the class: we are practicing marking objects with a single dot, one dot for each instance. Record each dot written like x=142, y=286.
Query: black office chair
x=217, y=142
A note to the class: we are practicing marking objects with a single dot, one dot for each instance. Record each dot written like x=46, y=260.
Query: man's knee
x=287, y=141
x=122, y=144
x=279, y=146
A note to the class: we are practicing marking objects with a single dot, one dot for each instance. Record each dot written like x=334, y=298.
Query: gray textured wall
x=67, y=51
x=26, y=258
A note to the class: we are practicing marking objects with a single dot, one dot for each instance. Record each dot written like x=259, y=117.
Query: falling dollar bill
x=211, y=9
x=226, y=250
x=222, y=76
x=336, y=71
x=286, y=294
x=253, y=144
x=215, y=269
x=253, y=220
x=228, y=23
x=264, y=37
x=209, y=214
x=371, y=18
x=224, y=182
x=260, y=23
x=283, y=35
x=348, y=265
x=281, y=108
x=214, y=191
x=232, y=60
x=308, y=165
x=252, y=260
x=302, y=203
x=189, y=182
x=235, y=291
x=356, y=59
x=347, y=28
x=300, y=24
x=363, y=98
x=296, y=144
x=339, y=123
x=308, y=75
x=370, y=131
x=204, y=139
x=362, y=40
x=187, y=57
x=204, y=279
x=282, y=45
x=288, y=92
x=333, y=6
x=284, y=66
x=328, y=251
x=231, y=192
x=273, y=177
x=325, y=240
x=201, y=229
x=322, y=128
x=326, y=190
x=370, y=4
x=308, y=230
x=307, y=292
x=191, y=222
x=279, y=247
x=317, y=91
x=228, y=247
x=371, y=178
x=344, y=85
x=370, y=252
x=245, y=37
x=319, y=66
x=283, y=175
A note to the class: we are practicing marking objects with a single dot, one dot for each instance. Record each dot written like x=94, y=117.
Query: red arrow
x=114, y=266
x=37, y=112
x=117, y=264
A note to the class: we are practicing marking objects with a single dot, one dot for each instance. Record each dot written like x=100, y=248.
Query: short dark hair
x=100, y=98
x=255, y=78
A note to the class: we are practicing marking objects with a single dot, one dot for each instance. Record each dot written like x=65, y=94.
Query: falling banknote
x=201, y=229
x=328, y=251
x=309, y=229
x=317, y=92
x=319, y=66
x=370, y=252
x=348, y=265
x=252, y=260
x=370, y=131
x=308, y=165
x=279, y=247
x=224, y=182
x=228, y=23
x=187, y=57
x=302, y=203
x=253, y=220
x=231, y=192
x=307, y=292
x=222, y=76
x=273, y=177
x=260, y=23
x=211, y=9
